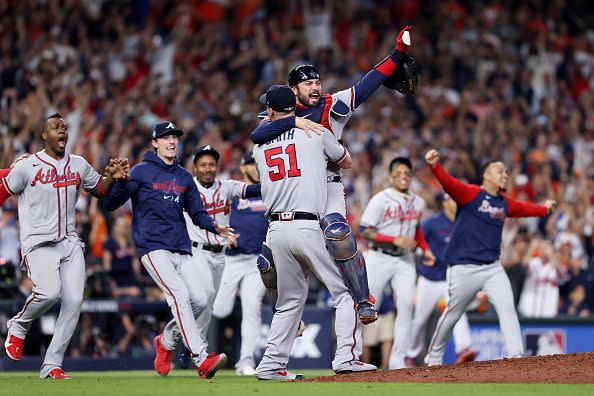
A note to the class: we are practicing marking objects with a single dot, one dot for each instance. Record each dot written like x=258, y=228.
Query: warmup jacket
x=160, y=193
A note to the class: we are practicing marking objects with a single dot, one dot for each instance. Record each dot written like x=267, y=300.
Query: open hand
x=18, y=159
x=225, y=231
x=309, y=126
x=119, y=169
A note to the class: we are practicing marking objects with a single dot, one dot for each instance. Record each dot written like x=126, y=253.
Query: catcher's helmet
x=405, y=78
x=302, y=73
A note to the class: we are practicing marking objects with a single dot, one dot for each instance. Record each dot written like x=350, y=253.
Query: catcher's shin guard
x=267, y=270
x=342, y=246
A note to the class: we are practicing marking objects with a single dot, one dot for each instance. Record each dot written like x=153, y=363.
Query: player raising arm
x=474, y=249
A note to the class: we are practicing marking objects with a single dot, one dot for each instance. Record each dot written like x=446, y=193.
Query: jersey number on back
x=273, y=160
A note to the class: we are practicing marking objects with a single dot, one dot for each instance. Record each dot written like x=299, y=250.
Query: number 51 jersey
x=292, y=170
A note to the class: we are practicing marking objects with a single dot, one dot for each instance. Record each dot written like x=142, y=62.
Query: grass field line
x=186, y=382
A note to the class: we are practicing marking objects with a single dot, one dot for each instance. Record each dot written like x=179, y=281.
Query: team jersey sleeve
x=17, y=178
x=361, y=91
x=90, y=177
x=268, y=130
x=420, y=239
x=461, y=193
x=235, y=189
x=373, y=212
x=253, y=191
x=524, y=209
x=121, y=192
x=333, y=151
x=193, y=205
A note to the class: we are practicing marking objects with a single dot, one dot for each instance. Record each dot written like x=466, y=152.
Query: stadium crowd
x=499, y=80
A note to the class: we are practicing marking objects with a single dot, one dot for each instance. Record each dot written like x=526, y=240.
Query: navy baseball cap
x=165, y=128
x=302, y=73
x=206, y=149
x=248, y=158
x=279, y=98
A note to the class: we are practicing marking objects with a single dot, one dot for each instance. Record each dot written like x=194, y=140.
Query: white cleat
x=280, y=375
x=245, y=370
x=354, y=367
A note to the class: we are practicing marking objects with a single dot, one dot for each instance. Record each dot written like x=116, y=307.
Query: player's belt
x=290, y=216
x=390, y=252
x=210, y=248
x=333, y=179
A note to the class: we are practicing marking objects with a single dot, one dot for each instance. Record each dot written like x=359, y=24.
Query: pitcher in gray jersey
x=293, y=176
x=48, y=184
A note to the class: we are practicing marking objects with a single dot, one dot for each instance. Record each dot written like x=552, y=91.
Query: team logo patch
x=545, y=341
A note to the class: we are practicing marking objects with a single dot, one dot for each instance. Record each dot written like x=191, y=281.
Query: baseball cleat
x=467, y=355
x=410, y=362
x=280, y=375
x=58, y=374
x=185, y=358
x=162, y=362
x=213, y=363
x=354, y=367
x=245, y=370
x=301, y=328
x=367, y=313
x=14, y=346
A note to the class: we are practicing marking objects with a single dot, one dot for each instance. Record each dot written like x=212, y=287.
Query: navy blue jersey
x=436, y=229
x=476, y=237
x=247, y=219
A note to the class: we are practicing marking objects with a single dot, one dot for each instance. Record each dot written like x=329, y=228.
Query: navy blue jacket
x=160, y=193
x=436, y=229
x=247, y=219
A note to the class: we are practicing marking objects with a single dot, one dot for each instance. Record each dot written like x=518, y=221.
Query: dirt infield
x=575, y=368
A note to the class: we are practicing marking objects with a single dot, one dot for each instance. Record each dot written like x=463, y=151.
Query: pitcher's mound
x=575, y=368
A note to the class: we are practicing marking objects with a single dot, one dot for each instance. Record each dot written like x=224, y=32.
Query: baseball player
x=473, y=252
x=292, y=172
x=241, y=272
x=432, y=286
x=333, y=112
x=207, y=247
x=48, y=184
x=161, y=190
x=391, y=222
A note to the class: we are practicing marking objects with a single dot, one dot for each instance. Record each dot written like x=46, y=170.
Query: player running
x=241, y=271
x=333, y=112
x=473, y=252
x=161, y=190
x=48, y=184
x=432, y=286
x=391, y=222
x=292, y=171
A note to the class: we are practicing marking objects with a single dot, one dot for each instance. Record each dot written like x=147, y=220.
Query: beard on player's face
x=205, y=169
x=308, y=92
x=251, y=173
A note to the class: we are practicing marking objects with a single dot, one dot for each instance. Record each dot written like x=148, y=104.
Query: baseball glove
x=405, y=78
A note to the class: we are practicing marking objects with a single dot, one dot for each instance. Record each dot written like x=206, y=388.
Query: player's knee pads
x=266, y=267
x=340, y=240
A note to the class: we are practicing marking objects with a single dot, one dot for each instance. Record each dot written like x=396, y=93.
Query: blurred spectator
x=540, y=294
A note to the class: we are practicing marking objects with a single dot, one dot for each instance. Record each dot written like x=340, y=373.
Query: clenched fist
x=432, y=157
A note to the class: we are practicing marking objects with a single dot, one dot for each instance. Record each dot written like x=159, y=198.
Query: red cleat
x=371, y=299
x=467, y=355
x=162, y=362
x=58, y=374
x=213, y=363
x=14, y=347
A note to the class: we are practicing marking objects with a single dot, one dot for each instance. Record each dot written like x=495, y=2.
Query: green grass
x=185, y=382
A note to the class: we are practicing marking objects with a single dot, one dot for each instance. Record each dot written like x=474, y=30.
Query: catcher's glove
x=405, y=78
